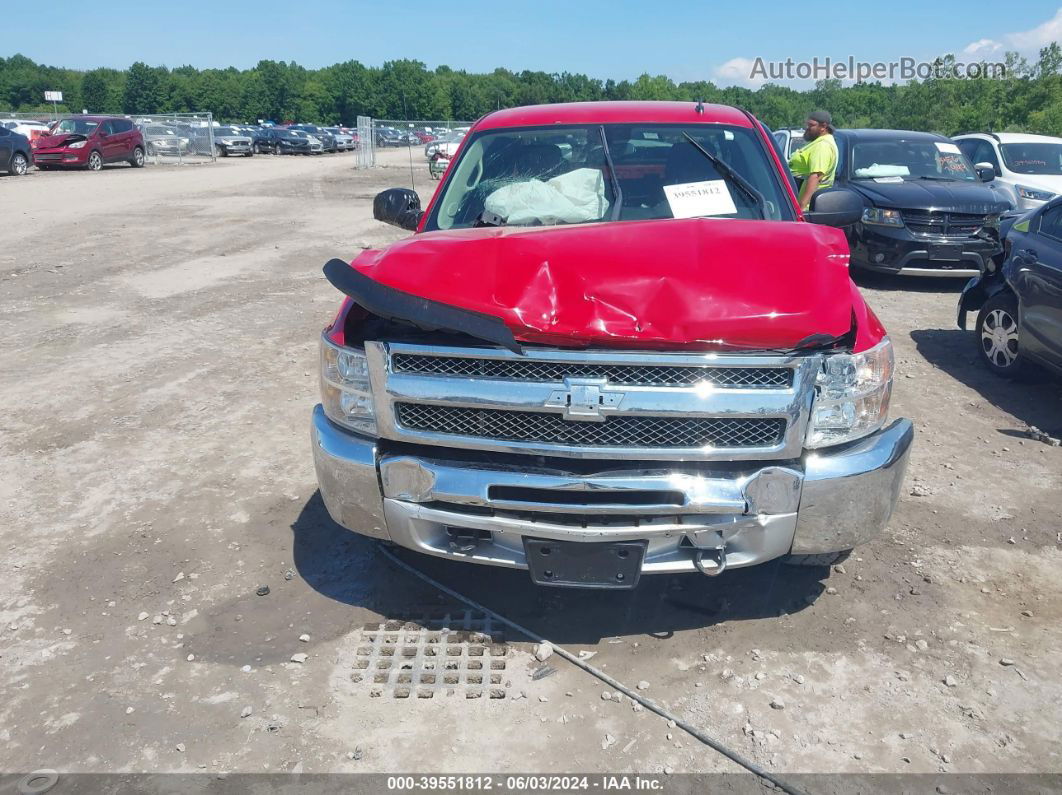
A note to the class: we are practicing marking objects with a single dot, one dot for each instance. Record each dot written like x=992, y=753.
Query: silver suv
x=1028, y=167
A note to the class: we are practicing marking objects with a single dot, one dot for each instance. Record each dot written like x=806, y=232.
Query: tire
x=826, y=559
x=137, y=160
x=219, y=151
x=95, y=161
x=18, y=166
x=249, y=154
x=997, y=332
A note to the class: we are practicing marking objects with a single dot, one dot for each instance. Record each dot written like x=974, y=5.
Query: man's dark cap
x=821, y=116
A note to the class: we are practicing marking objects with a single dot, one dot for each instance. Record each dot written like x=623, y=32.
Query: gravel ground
x=158, y=370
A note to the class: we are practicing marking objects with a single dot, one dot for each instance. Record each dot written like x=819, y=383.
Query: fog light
x=879, y=258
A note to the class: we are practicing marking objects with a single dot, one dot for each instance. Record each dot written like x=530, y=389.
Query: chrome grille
x=616, y=431
x=618, y=374
x=941, y=224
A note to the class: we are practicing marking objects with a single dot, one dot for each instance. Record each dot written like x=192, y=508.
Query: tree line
x=1028, y=99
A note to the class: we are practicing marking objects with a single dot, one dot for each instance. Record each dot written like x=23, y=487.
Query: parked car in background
x=313, y=143
x=388, y=136
x=31, y=129
x=790, y=140
x=89, y=142
x=344, y=140
x=1019, y=305
x=15, y=152
x=447, y=144
x=281, y=141
x=327, y=140
x=262, y=140
x=1028, y=167
x=163, y=140
x=501, y=387
x=231, y=141
x=927, y=213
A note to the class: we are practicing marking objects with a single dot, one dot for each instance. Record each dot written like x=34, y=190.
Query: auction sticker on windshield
x=694, y=199
x=945, y=147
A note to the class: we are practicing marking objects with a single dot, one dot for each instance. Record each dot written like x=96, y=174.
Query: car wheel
x=249, y=154
x=997, y=335
x=218, y=151
x=95, y=161
x=138, y=158
x=19, y=165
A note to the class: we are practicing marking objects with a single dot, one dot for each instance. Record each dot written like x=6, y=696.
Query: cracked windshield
x=574, y=175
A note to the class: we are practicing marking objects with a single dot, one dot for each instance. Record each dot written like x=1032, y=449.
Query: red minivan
x=89, y=142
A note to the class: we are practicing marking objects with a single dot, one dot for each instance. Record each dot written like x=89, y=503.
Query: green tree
x=145, y=89
x=1027, y=98
x=101, y=91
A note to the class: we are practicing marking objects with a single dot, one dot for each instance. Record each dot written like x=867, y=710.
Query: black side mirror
x=398, y=206
x=986, y=172
x=838, y=207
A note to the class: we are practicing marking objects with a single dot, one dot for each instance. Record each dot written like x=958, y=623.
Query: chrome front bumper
x=748, y=513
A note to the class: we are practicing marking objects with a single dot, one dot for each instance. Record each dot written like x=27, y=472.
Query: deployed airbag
x=571, y=198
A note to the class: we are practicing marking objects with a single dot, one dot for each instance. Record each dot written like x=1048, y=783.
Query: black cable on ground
x=634, y=695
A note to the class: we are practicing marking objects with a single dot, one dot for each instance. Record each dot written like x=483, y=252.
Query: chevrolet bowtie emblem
x=583, y=398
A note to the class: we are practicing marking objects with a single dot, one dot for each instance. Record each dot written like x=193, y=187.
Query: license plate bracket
x=945, y=252
x=577, y=564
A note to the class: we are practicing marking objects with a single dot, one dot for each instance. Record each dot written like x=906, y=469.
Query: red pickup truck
x=614, y=346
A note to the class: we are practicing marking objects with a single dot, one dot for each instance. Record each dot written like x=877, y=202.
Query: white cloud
x=737, y=71
x=1027, y=42
x=982, y=47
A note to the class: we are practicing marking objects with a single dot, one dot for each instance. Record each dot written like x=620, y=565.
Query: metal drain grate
x=421, y=654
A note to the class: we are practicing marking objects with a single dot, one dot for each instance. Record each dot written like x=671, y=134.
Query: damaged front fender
x=977, y=291
x=392, y=304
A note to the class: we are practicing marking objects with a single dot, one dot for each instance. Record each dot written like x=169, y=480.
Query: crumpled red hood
x=56, y=141
x=703, y=283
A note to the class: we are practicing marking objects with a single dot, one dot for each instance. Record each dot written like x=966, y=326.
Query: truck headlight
x=880, y=217
x=852, y=394
x=345, y=391
x=1033, y=194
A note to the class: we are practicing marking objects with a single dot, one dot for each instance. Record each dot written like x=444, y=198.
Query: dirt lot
x=158, y=370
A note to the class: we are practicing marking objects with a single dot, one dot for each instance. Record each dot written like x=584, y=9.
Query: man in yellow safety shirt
x=814, y=165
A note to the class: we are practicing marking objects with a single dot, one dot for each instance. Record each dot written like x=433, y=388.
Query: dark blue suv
x=1019, y=304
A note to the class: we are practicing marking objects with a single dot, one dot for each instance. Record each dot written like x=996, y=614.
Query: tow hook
x=463, y=541
x=710, y=562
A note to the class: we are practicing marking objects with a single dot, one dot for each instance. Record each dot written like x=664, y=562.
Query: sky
x=618, y=39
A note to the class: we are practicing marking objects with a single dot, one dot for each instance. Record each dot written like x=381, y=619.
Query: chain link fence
x=177, y=138
x=366, y=151
x=169, y=138
x=418, y=135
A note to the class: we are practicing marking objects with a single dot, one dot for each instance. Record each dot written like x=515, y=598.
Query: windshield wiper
x=728, y=173
x=939, y=178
